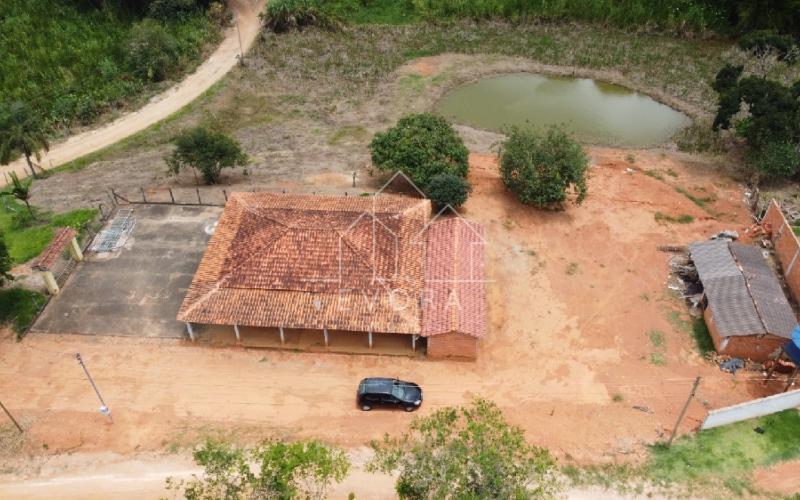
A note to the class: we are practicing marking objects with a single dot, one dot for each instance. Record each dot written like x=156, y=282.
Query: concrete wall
x=751, y=409
x=452, y=345
x=754, y=347
x=787, y=247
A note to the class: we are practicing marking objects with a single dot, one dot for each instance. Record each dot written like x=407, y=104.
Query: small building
x=342, y=265
x=745, y=307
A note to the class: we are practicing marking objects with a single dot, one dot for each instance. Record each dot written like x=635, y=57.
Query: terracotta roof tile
x=455, y=289
x=300, y=261
x=51, y=254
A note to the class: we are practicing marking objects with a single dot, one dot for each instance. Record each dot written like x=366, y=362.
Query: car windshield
x=398, y=390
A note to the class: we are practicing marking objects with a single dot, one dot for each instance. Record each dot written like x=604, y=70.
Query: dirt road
x=162, y=105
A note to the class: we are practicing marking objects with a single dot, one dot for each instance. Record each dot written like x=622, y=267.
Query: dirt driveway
x=165, y=104
x=574, y=300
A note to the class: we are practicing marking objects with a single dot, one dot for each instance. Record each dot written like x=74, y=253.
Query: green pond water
x=596, y=112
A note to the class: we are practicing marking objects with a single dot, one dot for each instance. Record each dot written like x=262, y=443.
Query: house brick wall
x=754, y=347
x=452, y=345
x=787, y=247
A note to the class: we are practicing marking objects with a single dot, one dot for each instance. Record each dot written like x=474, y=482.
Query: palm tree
x=21, y=130
x=20, y=190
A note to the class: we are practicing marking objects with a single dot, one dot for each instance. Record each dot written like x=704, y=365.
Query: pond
x=596, y=112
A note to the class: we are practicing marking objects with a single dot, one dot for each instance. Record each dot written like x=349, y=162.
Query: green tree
x=169, y=10
x=771, y=125
x=777, y=160
x=5, y=261
x=151, y=52
x=421, y=146
x=539, y=167
x=281, y=470
x=466, y=452
x=21, y=190
x=448, y=189
x=762, y=43
x=286, y=15
x=21, y=131
x=205, y=150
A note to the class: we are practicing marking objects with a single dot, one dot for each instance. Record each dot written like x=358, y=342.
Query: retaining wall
x=787, y=247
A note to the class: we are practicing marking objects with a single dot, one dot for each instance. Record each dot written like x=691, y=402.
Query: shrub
x=152, y=51
x=168, y=10
x=539, y=167
x=777, y=160
x=286, y=15
x=207, y=151
x=448, y=189
x=5, y=262
x=421, y=146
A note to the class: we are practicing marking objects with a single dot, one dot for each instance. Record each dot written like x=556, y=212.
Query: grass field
x=723, y=457
x=71, y=66
x=24, y=241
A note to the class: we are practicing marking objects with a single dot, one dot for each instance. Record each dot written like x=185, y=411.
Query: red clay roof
x=300, y=261
x=51, y=254
x=455, y=299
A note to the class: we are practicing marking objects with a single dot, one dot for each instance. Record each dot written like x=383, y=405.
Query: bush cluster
x=429, y=151
x=541, y=166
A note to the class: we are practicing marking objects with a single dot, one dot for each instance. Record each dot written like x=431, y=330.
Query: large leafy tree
x=466, y=452
x=541, y=166
x=771, y=125
x=421, y=146
x=302, y=469
x=21, y=131
x=205, y=150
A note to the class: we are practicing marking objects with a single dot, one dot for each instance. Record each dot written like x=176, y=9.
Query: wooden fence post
x=171, y=196
x=199, y=201
x=144, y=197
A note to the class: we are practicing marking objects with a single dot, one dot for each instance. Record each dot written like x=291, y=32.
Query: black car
x=377, y=391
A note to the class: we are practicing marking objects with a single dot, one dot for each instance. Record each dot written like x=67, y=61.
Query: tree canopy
x=448, y=189
x=205, y=150
x=280, y=470
x=421, y=146
x=21, y=131
x=540, y=166
x=771, y=125
x=465, y=452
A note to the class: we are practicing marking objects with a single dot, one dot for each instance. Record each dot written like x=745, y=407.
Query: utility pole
x=683, y=411
x=103, y=408
x=19, y=427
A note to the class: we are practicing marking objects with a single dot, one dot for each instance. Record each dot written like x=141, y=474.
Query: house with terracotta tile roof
x=375, y=266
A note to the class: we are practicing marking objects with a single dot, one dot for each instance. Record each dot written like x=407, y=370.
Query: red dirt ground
x=572, y=299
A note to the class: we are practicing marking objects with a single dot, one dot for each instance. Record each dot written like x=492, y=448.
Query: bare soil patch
x=572, y=299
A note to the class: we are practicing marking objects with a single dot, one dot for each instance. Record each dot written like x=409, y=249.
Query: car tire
x=410, y=408
x=366, y=407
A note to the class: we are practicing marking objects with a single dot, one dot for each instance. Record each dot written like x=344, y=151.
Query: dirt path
x=162, y=105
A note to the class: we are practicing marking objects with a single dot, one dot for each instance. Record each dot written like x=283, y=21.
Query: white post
x=75, y=250
x=414, y=342
x=189, y=329
x=369, y=334
x=236, y=329
x=283, y=338
x=50, y=282
x=325, y=332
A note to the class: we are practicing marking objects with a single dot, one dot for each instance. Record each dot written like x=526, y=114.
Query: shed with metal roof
x=746, y=309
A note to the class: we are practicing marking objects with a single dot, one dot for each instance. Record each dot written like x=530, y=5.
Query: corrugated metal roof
x=713, y=260
x=742, y=290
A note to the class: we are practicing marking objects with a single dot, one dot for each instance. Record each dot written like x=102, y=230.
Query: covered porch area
x=312, y=340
